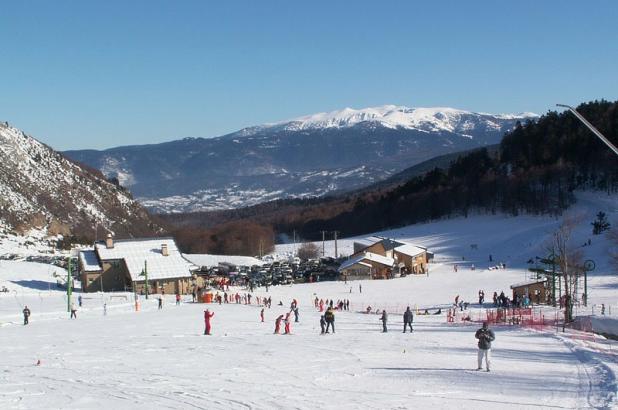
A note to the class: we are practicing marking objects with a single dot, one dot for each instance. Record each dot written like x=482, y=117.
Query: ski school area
x=114, y=356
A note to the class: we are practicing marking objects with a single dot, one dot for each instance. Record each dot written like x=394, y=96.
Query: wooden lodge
x=381, y=258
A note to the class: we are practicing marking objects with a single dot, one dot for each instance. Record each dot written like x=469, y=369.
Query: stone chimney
x=109, y=241
x=164, y=250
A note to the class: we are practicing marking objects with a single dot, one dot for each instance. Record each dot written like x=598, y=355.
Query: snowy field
x=160, y=359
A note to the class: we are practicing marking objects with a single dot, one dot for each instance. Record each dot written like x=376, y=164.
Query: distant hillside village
x=156, y=265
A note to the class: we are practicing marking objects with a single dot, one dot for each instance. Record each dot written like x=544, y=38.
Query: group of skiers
x=321, y=303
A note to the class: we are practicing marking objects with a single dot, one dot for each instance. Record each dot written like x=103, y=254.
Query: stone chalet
x=118, y=265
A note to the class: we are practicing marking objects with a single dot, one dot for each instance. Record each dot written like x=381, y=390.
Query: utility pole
x=69, y=286
x=590, y=127
x=323, y=239
x=336, y=254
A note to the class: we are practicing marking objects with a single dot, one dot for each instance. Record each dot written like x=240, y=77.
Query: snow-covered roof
x=367, y=256
x=135, y=252
x=374, y=257
x=528, y=283
x=215, y=260
x=351, y=262
x=89, y=261
x=366, y=242
x=410, y=250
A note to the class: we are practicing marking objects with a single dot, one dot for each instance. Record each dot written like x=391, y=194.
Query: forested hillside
x=535, y=170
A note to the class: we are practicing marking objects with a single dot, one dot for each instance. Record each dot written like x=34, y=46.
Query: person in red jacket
x=262, y=315
x=287, y=324
x=278, y=324
x=207, y=316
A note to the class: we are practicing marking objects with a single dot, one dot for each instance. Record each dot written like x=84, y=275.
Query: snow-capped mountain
x=306, y=156
x=43, y=190
x=435, y=119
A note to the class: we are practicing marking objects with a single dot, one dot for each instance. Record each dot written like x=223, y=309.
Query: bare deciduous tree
x=570, y=261
x=308, y=250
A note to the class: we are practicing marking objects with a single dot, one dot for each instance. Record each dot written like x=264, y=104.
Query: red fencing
x=528, y=317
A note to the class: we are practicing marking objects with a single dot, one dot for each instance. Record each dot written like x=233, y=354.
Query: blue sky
x=86, y=74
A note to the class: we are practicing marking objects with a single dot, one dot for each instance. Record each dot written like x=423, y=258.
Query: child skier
x=278, y=324
x=262, y=315
x=287, y=324
x=207, y=316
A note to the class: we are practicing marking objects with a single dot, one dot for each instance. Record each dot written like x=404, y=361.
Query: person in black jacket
x=384, y=320
x=26, y=312
x=485, y=336
x=329, y=316
x=408, y=318
x=323, y=324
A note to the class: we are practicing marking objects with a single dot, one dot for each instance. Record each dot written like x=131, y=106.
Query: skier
x=177, y=299
x=287, y=324
x=384, y=320
x=79, y=300
x=278, y=324
x=207, y=316
x=160, y=299
x=262, y=315
x=73, y=311
x=603, y=309
x=360, y=288
x=105, y=309
x=26, y=312
x=296, y=314
x=193, y=296
x=485, y=337
x=323, y=324
x=329, y=316
x=408, y=318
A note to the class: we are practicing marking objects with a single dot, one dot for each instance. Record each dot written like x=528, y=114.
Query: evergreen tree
x=600, y=225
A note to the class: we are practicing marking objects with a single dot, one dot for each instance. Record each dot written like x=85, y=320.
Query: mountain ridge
x=42, y=189
x=300, y=158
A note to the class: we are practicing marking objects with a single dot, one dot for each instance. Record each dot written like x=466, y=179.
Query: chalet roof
x=215, y=260
x=89, y=261
x=410, y=250
x=372, y=240
x=135, y=252
x=528, y=283
x=367, y=257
